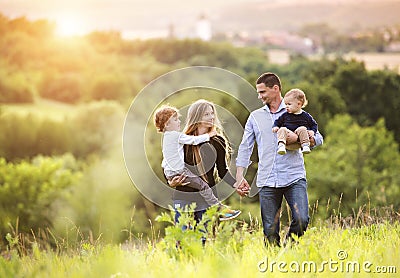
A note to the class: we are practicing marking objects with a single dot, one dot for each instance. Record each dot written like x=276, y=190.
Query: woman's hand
x=212, y=133
x=242, y=187
x=178, y=181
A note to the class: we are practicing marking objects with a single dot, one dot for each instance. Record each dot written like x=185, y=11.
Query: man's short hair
x=269, y=79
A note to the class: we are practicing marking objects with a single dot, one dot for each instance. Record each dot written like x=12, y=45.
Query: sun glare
x=68, y=26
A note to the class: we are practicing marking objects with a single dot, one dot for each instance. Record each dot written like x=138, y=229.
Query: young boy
x=296, y=120
x=166, y=120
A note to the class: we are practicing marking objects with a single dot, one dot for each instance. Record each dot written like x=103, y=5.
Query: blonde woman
x=166, y=120
x=204, y=158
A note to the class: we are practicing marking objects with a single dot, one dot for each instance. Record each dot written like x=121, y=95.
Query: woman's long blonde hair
x=193, y=120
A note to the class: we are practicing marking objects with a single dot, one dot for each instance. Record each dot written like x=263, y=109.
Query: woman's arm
x=222, y=169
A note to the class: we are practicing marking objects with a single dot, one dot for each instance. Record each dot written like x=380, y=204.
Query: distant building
x=203, y=28
x=171, y=31
x=289, y=41
x=393, y=47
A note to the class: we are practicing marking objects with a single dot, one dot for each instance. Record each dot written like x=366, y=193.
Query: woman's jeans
x=270, y=203
x=182, y=205
x=198, y=214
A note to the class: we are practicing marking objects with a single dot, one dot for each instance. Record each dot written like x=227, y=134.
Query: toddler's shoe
x=305, y=149
x=281, y=149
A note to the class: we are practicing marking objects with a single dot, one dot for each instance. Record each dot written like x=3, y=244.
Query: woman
x=202, y=159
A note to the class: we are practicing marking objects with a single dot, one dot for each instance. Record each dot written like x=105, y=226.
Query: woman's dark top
x=213, y=156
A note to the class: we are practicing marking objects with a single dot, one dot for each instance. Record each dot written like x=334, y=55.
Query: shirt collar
x=281, y=107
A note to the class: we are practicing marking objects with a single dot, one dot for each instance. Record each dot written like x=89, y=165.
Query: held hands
x=242, y=187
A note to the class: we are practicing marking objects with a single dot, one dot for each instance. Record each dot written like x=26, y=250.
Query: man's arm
x=243, y=159
x=316, y=140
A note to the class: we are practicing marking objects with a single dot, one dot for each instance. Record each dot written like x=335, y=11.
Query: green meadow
x=233, y=249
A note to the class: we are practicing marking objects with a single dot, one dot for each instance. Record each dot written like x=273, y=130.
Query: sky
x=135, y=17
x=123, y=15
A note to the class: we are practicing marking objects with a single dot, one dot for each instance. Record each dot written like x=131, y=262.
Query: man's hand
x=242, y=187
x=291, y=137
x=311, y=136
x=178, y=181
x=275, y=129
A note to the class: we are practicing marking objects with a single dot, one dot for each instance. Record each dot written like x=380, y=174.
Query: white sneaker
x=282, y=149
x=306, y=149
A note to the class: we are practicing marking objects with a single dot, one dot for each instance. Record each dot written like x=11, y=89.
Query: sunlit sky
x=75, y=17
x=81, y=16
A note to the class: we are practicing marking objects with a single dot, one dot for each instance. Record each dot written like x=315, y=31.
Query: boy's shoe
x=229, y=214
x=281, y=149
x=305, y=149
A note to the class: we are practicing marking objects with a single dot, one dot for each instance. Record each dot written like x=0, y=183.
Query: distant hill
x=343, y=16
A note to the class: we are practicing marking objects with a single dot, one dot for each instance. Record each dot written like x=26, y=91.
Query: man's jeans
x=270, y=203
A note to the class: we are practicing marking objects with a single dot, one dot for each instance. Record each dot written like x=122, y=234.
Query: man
x=278, y=176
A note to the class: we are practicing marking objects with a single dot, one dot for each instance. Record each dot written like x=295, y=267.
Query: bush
x=13, y=89
x=28, y=190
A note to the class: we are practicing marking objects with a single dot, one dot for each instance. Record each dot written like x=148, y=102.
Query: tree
x=359, y=162
x=369, y=95
x=29, y=189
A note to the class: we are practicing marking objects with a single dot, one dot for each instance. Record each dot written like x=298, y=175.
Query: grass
x=233, y=249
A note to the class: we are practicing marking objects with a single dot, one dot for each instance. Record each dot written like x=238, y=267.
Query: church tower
x=203, y=28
